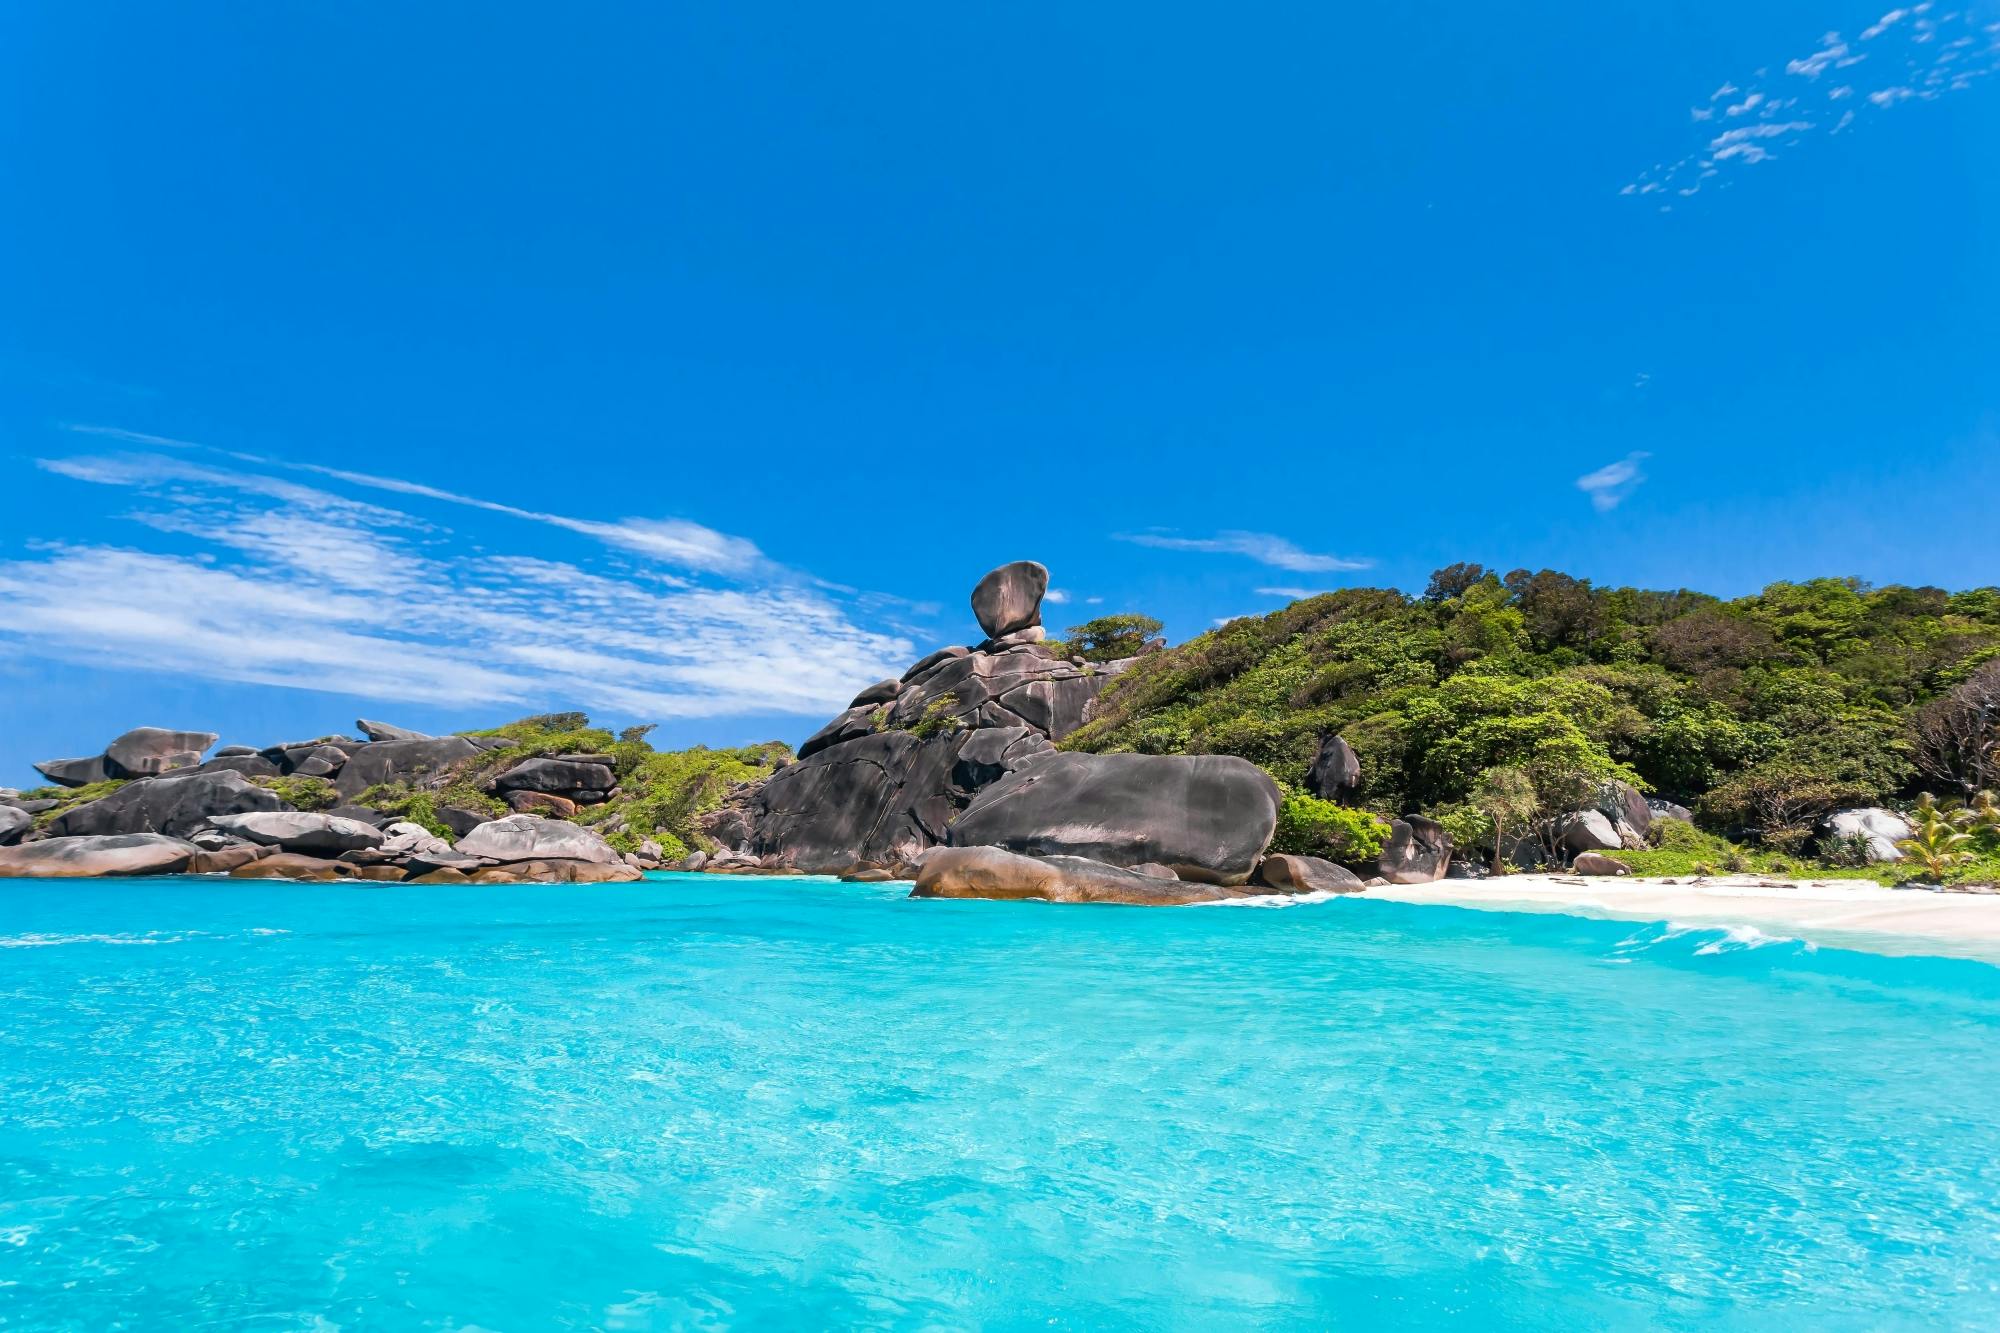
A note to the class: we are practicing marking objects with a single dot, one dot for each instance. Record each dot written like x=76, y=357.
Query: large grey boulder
x=1662, y=808
x=533, y=838
x=142, y=752
x=989, y=872
x=13, y=823
x=175, y=806
x=413, y=762
x=86, y=857
x=559, y=776
x=1010, y=598
x=1207, y=817
x=878, y=798
x=383, y=731
x=402, y=838
x=251, y=765
x=1597, y=863
x=1335, y=774
x=1589, y=831
x=75, y=772
x=881, y=692
x=1879, y=829
x=1289, y=873
x=1418, y=851
x=146, y=752
x=1630, y=814
x=300, y=831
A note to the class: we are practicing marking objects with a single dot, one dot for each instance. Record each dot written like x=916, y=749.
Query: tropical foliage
x=1762, y=713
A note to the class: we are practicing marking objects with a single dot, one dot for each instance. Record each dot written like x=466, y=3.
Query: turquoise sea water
x=706, y=1102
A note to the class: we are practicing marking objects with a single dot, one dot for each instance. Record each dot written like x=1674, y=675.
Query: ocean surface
x=715, y=1103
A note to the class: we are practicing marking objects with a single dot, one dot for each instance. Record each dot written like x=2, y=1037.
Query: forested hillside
x=1761, y=713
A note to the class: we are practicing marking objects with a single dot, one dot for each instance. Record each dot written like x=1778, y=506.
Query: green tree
x=1108, y=638
x=1936, y=842
x=1506, y=796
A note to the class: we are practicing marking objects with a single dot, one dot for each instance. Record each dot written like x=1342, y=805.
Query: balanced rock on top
x=1009, y=599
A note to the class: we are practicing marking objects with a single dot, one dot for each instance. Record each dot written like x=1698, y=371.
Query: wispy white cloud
x=678, y=542
x=1608, y=486
x=1290, y=594
x=1056, y=596
x=1263, y=547
x=295, y=586
x=1912, y=55
x=1883, y=24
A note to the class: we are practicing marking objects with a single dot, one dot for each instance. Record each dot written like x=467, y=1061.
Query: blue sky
x=689, y=363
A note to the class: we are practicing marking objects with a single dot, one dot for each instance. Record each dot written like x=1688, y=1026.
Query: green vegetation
x=939, y=716
x=301, y=793
x=1108, y=638
x=663, y=794
x=1762, y=713
x=1309, y=826
x=70, y=798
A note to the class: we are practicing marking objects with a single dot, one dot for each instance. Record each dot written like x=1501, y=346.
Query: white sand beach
x=1838, y=913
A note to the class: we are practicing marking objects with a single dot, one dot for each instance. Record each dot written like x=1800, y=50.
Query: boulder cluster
x=178, y=813
x=949, y=775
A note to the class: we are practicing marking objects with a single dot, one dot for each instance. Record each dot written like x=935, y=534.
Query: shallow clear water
x=707, y=1102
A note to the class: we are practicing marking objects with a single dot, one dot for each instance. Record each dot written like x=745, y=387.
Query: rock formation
x=1009, y=599
x=532, y=838
x=1418, y=851
x=1335, y=774
x=143, y=752
x=1206, y=817
x=175, y=805
x=989, y=872
x=1306, y=874
x=86, y=857
x=882, y=782
x=1879, y=831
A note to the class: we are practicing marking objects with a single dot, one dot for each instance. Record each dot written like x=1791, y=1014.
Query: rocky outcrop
x=1289, y=873
x=299, y=831
x=222, y=860
x=1630, y=814
x=568, y=776
x=880, y=798
x=942, y=755
x=1597, y=863
x=1335, y=774
x=175, y=806
x=88, y=857
x=989, y=872
x=1010, y=598
x=13, y=823
x=557, y=870
x=296, y=865
x=142, y=752
x=400, y=761
x=1207, y=817
x=1589, y=831
x=251, y=765
x=1418, y=851
x=1662, y=808
x=1879, y=831
x=383, y=731
x=533, y=838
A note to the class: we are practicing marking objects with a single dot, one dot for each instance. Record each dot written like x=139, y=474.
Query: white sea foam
x=1715, y=939
x=150, y=937
x=1274, y=900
